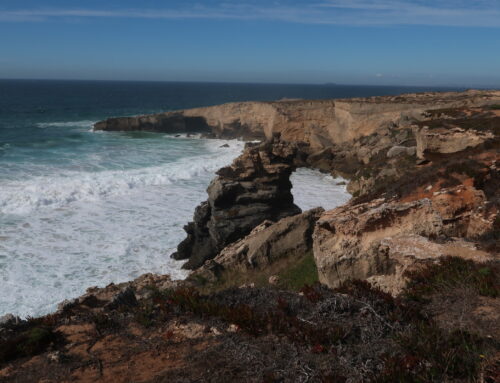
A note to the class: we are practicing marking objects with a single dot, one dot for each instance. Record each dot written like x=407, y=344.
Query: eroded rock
x=255, y=188
x=445, y=140
x=266, y=244
x=378, y=241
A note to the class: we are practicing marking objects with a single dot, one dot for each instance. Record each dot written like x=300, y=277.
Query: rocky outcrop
x=268, y=243
x=255, y=188
x=173, y=122
x=114, y=295
x=397, y=151
x=379, y=241
x=375, y=143
x=446, y=140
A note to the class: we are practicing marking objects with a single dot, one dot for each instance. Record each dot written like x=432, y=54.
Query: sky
x=373, y=42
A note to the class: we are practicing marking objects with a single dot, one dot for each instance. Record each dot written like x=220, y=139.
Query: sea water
x=80, y=208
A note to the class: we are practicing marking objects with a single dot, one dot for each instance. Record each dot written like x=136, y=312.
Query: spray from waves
x=22, y=197
x=67, y=124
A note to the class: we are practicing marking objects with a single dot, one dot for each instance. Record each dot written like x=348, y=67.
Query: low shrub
x=430, y=354
x=452, y=272
x=30, y=342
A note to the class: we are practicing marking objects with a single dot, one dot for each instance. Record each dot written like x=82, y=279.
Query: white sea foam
x=64, y=233
x=22, y=197
x=311, y=189
x=67, y=124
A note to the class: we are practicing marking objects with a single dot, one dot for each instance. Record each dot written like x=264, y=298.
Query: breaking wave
x=22, y=197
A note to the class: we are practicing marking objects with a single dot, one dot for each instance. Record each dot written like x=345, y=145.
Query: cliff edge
x=400, y=284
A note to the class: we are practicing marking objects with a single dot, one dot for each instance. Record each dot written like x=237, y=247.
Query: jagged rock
x=406, y=253
x=446, y=140
x=123, y=294
x=255, y=188
x=366, y=241
x=172, y=122
x=396, y=151
x=269, y=242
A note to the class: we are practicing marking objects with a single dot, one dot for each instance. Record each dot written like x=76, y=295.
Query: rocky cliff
x=319, y=123
x=422, y=169
x=409, y=268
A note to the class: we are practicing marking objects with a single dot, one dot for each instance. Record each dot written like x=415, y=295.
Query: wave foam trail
x=67, y=124
x=22, y=197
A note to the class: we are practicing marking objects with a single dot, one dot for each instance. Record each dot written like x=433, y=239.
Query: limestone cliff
x=424, y=188
x=319, y=123
x=422, y=169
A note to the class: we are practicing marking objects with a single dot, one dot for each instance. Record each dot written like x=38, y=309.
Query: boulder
x=406, y=253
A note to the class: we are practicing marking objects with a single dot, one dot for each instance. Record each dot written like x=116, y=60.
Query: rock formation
x=269, y=243
x=319, y=123
x=425, y=177
x=406, y=161
x=255, y=188
x=448, y=140
x=379, y=241
x=409, y=212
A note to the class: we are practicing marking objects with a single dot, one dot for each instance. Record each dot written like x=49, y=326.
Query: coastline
x=424, y=179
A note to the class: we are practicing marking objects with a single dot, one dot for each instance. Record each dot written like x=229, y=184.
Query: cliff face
x=319, y=123
x=412, y=211
x=380, y=241
x=422, y=169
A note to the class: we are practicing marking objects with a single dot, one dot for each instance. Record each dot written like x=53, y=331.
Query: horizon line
x=327, y=83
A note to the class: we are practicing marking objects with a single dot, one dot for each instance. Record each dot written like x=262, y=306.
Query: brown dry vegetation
x=353, y=334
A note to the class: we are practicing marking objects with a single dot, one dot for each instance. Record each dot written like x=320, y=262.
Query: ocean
x=81, y=208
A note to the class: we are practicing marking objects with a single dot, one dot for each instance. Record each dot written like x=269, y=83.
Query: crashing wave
x=21, y=197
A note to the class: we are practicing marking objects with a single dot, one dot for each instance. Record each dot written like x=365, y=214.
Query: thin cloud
x=479, y=13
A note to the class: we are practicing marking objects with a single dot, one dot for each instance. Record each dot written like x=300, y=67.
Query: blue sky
x=417, y=42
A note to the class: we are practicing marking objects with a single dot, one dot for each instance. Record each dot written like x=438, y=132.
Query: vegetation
x=430, y=354
x=354, y=331
x=299, y=275
x=453, y=272
x=29, y=342
x=293, y=273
